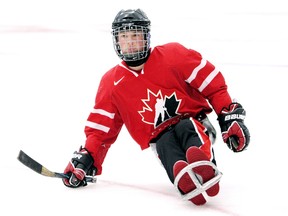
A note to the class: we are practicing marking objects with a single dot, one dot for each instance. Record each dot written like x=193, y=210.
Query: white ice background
x=52, y=55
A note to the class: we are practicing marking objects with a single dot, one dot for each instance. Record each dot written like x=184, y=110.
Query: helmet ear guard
x=132, y=20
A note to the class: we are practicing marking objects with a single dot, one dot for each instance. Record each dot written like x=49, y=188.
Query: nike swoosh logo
x=117, y=82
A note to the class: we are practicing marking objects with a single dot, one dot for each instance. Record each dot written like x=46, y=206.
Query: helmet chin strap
x=138, y=62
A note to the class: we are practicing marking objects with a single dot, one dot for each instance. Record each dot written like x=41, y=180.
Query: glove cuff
x=232, y=113
x=83, y=159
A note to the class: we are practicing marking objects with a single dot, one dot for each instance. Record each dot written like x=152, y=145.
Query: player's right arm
x=102, y=129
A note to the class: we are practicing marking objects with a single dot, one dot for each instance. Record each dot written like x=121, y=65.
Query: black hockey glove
x=80, y=166
x=234, y=133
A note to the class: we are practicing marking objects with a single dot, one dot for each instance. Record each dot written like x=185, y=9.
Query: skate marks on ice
x=169, y=193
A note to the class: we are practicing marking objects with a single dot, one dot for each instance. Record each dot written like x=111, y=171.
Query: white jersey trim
x=133, y=72
x=97, y=126
x=196, y=70
x=208, y=79
x=104, y=113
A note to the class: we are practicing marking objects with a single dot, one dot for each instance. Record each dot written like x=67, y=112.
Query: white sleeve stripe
x=208, y=79
x=97, y=126
x=196, y=70
x=103, y=112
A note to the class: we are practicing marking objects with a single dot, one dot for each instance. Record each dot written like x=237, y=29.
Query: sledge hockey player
x=161, y=94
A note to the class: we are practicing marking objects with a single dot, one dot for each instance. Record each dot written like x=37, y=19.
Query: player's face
x=131, y=41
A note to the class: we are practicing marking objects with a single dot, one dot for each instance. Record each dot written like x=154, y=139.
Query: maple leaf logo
x=158, y=109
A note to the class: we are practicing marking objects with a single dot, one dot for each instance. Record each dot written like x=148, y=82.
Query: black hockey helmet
x=127, y=20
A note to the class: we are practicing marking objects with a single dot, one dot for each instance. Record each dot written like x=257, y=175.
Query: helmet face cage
x=143, y=45
x=137, y=23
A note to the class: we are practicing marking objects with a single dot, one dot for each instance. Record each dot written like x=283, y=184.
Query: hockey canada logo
x=158, y=108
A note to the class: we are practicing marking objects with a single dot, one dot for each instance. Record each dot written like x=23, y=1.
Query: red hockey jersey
x=174, y=82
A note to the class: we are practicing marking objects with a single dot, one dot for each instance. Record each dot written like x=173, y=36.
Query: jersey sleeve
x=103, y=124
x=205, y=77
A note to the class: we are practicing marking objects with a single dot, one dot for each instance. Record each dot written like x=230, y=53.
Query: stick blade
x=34, y=165
x=29, y=162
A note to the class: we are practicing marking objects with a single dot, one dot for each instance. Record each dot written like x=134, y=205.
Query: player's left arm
x=202, y=75
x=211, y=84
x=231, y=115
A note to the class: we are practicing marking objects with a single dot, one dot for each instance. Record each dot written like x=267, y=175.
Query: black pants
x=172, y=145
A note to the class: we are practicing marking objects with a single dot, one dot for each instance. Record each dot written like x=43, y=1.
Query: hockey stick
x=37, y=167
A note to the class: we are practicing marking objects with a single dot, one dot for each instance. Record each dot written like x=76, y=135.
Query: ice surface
x=52, y=55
